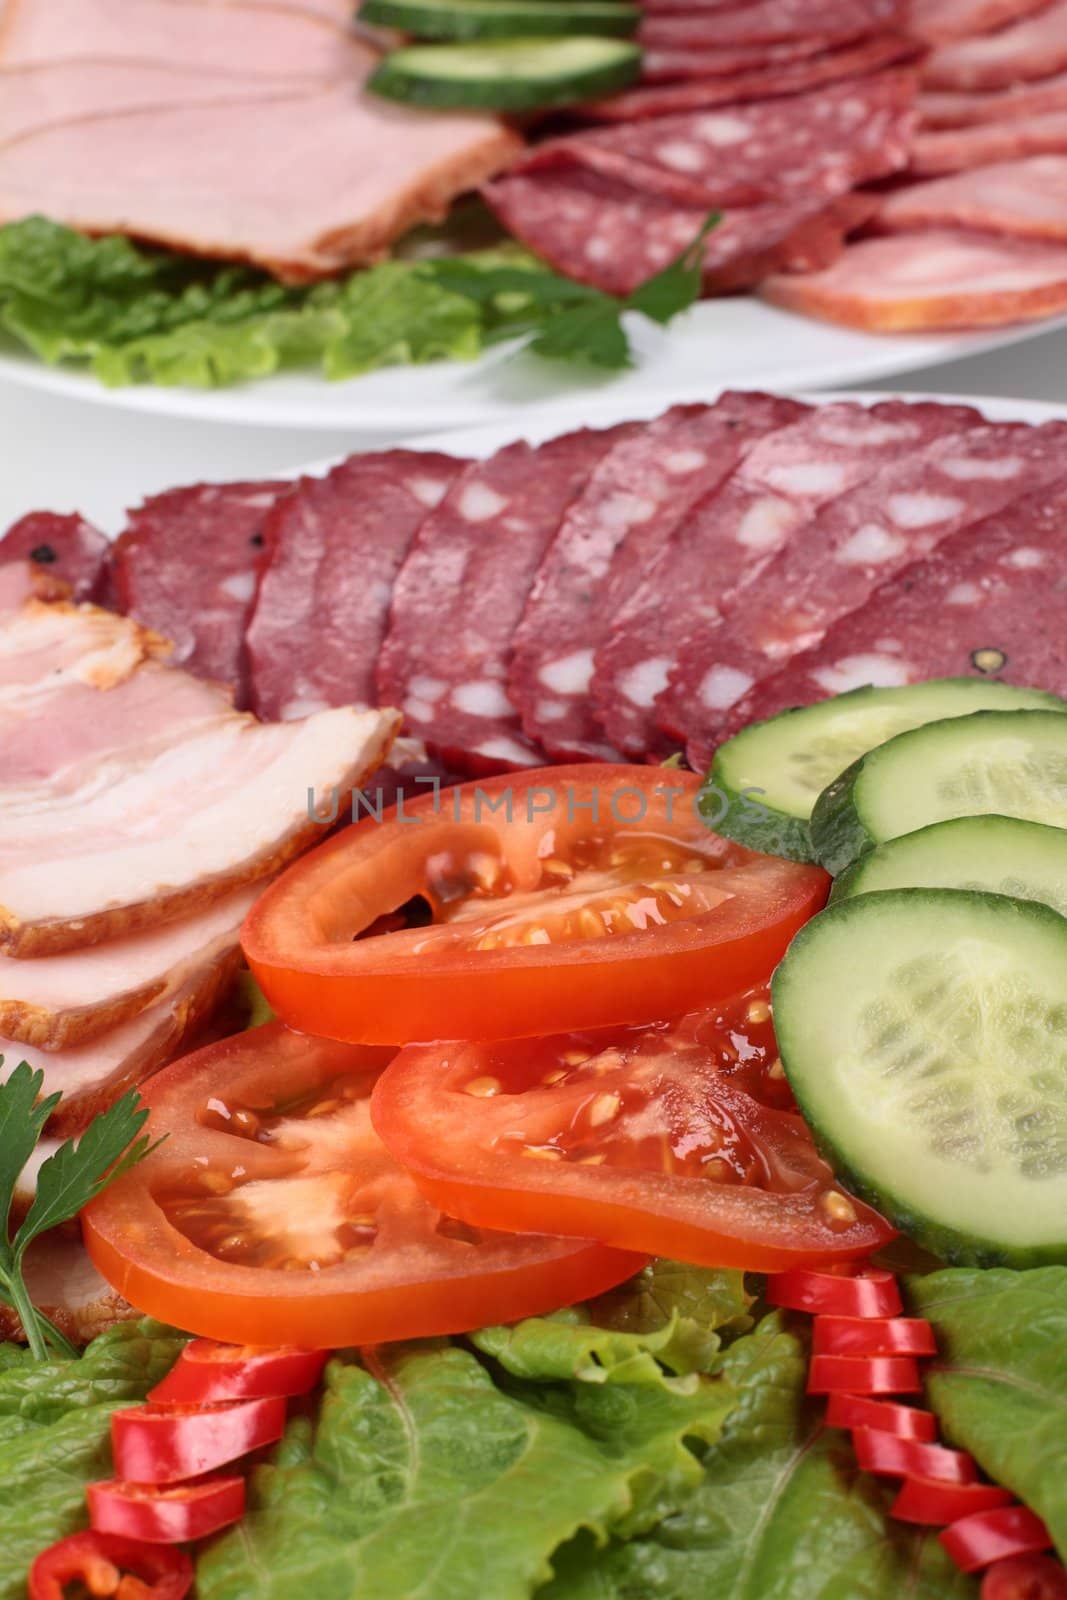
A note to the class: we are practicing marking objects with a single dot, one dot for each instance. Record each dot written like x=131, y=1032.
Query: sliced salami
x=765, y=83
x=834, y=562
x=63, y=547
x=336, y=546
x=460, y=594
x=188, y=565
x=1027, y=199
x=939, y=278
x=1033, y=48
x=733, y=532
x=628, y=511
x=986, y=143
x=944, y=109
x=987, y=602
x=667, y=63
x=942, y=21
x=768, y=21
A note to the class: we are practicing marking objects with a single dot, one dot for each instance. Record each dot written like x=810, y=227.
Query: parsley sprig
x=67, y=1180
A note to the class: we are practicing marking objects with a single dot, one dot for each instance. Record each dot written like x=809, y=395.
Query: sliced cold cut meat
x=65, y=547
x=47, y=648
x=939, y=278
x=733, y=531
x=669, y=62
x=1027, y=199
x=834, y=562
x=466, y=582
x=1033, y=48
x=188, y=565
x=945, y=109
x=987, y=602
x=954, y=150
x=21, y=581
x=941, y=21
x=767, y=21
x=635, y=499
x=335, y=545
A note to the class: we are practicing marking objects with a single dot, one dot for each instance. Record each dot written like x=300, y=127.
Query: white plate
x=739, y=342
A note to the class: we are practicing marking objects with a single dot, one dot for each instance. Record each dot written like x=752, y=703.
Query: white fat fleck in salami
x=836, y=560
x=336, y=546
x=762, y=526
x=642, y=683
x=819, y=480
x=967, y=468
x=722, y=129
x=461, y=591
x=970, y=608
x=611, y=534
x=241, y=586
x=722, y=687
x=429, y=492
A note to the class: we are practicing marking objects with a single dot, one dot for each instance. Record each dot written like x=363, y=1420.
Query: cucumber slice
x=791, y=758
x=924, y=1035
x=512, y=75
x=1005, y=763
x=501, y=19
x=1001, y=855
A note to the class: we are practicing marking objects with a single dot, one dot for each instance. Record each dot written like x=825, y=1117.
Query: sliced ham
x=769, y=21
x=1033, y=48
x=1027, y=199
x=61, y=1001
x=980, y=146
x=942, y=21
x=467, y=580
x=188, y=565
x=64, y=547
x=336, y=544
x=127, y=844
x=47, y=648
x=944, y=109
x=21, y=581
x=939, y=278
x=64, y=1284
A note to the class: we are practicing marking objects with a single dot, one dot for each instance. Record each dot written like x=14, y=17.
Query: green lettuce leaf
x=424, y=1478
x=999, y=1384
x=55, y=1434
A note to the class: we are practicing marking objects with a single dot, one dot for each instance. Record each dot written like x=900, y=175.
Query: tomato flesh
x=162, y=1444
x=273, y=1211
x=208, y=1371
x=977, y=1541
x=1025, y=1578
x=536, y=896
x=159, y=1514
x=103, y=1564
x=932, y=1502
x=670, y=1138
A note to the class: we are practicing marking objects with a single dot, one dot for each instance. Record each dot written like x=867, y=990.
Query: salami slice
x=336, y=546
x=188, y=565
x=728, y=537
x=942, y=21
x=767, y=21
x=64, y=547
x=1027, y=199
x=987, y=602
x=669, y=62
x=944, y=109
x=935, y=279
x=834, y=562
x=765, y=83
x=628, y=511
x=987, y=143
x=460, y=594
x=1033, y=48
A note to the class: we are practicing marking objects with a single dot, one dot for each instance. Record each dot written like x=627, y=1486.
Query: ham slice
x=21, y=581
x=66, y=1000
x=942, y=21
x=939, y=278
x=981, y=146
x=944, y=109
x=64, y=1284
x=1033, y=48
x=44, y=649
x=64, y=547
x=1027, y=199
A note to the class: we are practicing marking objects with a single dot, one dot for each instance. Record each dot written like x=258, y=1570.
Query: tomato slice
x=272, y=1211
x=162, y=1444
x=886, y=1455
x=208, y=1371
x=1025, y=1578
x=932, y=1502
x=867, y=1294
x=103, y=1564
x=159, y=1514
x=977, y=1541
x=907, y=1422
x=591, y=895
x=873, y=1336
x=657, y=1138
x=864, y=1375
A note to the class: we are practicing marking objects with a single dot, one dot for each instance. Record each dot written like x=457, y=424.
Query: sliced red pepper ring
x=867, y=1294
x=907, y=1422
x=207, y=1371
x=861, y=1375
x=887, y=1456
x=977, y=1541
x=873, y=1336
x=1025, y=1578
x=166, y=1514
x=103, y=1564
x=934, y=1503
x=162, y=1444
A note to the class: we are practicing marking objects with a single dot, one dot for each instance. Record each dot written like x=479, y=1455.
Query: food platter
x=738, y=341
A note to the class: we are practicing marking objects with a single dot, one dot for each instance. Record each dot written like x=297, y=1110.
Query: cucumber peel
x=508, y=74
x=501, y=19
